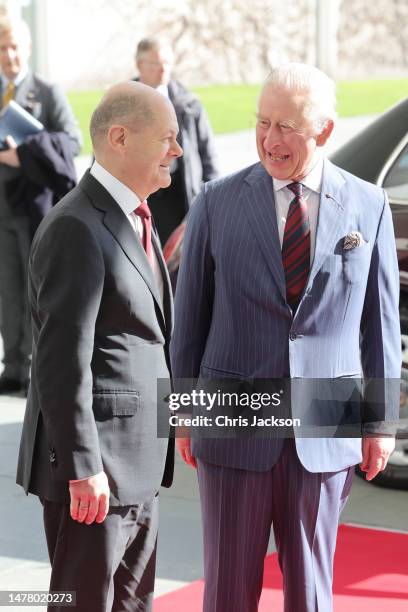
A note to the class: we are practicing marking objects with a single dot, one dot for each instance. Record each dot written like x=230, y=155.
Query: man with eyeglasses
x=154, y=62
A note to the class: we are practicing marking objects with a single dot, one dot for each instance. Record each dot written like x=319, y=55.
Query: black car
x=378, y=154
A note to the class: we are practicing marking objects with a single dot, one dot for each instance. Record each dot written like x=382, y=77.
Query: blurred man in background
x=33, y=176
x=154, y=62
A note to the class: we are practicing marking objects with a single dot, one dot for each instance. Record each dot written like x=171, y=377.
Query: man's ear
x=117, y=137
x=324, y=136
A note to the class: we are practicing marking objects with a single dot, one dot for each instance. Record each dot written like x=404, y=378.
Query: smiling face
x=285, y=138
x=15, y=48
x=148, y=153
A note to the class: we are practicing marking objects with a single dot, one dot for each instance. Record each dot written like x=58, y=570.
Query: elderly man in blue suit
x=289, y=271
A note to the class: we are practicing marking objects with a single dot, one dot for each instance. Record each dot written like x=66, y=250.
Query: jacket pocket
x=356, y=263
x=206, y=371
x=108, y=404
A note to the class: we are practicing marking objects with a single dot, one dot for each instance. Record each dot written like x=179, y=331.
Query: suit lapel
x=122, y=231
x=331, y=217
x=23, y=90
x=258, y=203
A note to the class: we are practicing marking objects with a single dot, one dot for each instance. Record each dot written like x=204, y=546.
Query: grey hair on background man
x=16, y=26
x=145, y=45
x=315, y=84
x=151, y=43
x=125, y=109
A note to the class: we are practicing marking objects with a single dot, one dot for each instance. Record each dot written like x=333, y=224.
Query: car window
x=396, y=180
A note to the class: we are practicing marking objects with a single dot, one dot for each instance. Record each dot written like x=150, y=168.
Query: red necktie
x=143, y=211
x=296, y=246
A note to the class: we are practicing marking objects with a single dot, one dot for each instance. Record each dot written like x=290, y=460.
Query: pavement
x=23, y=554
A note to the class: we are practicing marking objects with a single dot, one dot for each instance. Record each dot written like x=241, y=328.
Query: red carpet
x=370, y=575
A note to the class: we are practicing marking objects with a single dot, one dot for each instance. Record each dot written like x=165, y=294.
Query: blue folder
x=15, y=121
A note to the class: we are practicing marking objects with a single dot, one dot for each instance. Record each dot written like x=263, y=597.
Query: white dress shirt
x=312, y=186
x=128, y=201
x=19, y=78
x=164, y=90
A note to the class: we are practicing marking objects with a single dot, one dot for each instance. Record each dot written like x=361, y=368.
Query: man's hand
x=9, y=156
x=184, y=446
x=376, y=452
x=89, y=499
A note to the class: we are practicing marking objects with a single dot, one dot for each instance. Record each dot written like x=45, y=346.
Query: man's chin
x=165, y=183
x=275, y=172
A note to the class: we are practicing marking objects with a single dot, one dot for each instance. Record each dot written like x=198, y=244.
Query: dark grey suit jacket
x=47, y=103
x=101, y=333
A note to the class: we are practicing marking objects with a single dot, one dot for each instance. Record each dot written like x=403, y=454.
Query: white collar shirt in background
x=164, y=90
x=312, y=186
x=19, y=78
x=128, y=201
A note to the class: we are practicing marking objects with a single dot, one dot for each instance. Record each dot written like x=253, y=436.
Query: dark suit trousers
x=110, y=566
x=238, y=509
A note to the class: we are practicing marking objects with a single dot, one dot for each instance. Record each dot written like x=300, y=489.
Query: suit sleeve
x=60, y=118
x=206, y=147
x=67, y=271
x=194, y=294
x=380, y=333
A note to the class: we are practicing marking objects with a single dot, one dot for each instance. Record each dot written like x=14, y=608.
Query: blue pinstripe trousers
x=239, y=507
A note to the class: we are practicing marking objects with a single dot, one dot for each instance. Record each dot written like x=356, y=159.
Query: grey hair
x=145, y=45
x=126, y=109
x=315, y=84
x=150, y=43
x=13, y=25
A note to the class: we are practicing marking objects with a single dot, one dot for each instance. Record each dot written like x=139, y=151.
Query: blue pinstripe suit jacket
x=232, y=317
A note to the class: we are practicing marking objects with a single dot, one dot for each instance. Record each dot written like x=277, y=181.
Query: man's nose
x=177, y=151
x=272, y=137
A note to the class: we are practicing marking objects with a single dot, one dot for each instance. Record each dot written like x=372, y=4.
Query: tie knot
x=143, y=210
x=296, y=189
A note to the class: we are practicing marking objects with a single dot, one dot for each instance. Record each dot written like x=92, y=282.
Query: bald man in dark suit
x=101, y=309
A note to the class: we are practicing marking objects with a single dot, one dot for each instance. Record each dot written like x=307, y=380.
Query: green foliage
x=369, y=97
x=231, y=108
x=83, y=104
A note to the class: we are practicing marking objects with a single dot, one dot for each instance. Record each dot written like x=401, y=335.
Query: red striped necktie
x=143, y=211
x=296, y=246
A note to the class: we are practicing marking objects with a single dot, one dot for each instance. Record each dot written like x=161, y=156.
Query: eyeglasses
x=157, y=64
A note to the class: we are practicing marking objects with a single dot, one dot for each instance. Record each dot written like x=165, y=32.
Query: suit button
x=53, y=456
x=292, y=336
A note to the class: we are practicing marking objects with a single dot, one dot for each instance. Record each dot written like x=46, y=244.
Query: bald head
x=130, y=104
x=134, y=134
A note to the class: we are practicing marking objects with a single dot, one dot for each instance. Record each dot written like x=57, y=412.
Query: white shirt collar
x=164, y=90
x=19, y=78
x=125, y=197
x=312, y=181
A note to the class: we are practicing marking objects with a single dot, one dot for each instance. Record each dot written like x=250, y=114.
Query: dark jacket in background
x=199, y=161
x=27, y=193
x=47, y=103
x=197, y=165
x=47, y=174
